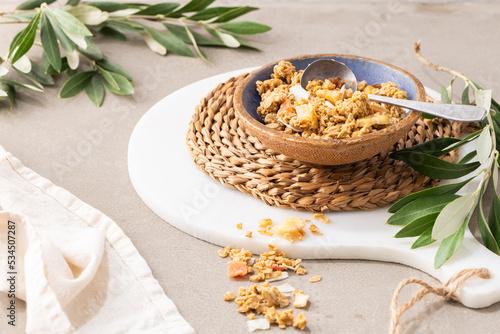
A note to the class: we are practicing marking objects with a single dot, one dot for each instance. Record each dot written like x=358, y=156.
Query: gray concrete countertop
x=354, y=296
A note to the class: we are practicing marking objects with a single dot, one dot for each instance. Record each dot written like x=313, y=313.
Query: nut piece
x=239, y=226
x=321, y=217
x=228, y=296
x=291, y=229
x=224, y=252
x=248, y=234
x=265, y=222
x=315, y=279
x=314, y=229
x=301, y=321
x=301, y=299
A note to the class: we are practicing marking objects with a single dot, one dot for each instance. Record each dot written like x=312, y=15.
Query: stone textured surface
x=84, y=149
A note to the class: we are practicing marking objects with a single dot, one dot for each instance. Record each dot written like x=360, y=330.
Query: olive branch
x=66, y=32
x=439, y=213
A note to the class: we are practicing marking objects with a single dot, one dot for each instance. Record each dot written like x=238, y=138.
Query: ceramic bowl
x=329, y=151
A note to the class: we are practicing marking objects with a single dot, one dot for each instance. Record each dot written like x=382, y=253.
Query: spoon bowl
x=323, y=69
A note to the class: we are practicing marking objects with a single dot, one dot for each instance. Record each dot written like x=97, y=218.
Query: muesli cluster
x=292, y=228
x=264, y=299
x=325, y=109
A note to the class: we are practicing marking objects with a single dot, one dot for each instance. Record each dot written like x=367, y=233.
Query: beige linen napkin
x=74, y=267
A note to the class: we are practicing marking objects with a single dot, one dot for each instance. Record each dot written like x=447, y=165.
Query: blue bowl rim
x=264, y=130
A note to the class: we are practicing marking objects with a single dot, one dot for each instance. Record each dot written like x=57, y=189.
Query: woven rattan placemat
x=223, y=149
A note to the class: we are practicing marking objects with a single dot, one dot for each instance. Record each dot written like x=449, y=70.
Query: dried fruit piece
x=290, y=229
x=236, y=268
x=300, y=321
x=228, y=296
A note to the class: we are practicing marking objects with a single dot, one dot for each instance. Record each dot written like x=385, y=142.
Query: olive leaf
x=158, y=9
x=112, y=33
x=95, y=90
x=434, y=167
x=24, y=41
x=49, y=43
x=68, y=22
x=452, y=216
x=465, y=94
x=424, y=239
x=420, y=207
x=182, y=32
x=418, y=226
x=489, y=240
x=244, y=27
x=170, y=42
x=445, y=189
x=194, y=6
x=484, y=145
x=483, y=98
x=75, y=84
x=89, y=15
x=108, y=6
x=450, y=245
x=32, y=4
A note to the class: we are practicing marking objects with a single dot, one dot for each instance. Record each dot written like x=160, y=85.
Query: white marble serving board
x=165, y=177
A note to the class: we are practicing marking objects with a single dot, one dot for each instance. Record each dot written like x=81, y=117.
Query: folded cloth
x=74, y=267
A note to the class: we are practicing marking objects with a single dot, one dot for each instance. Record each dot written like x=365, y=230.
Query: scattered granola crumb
x=301, y=299
x=300, y=321
x=314, y=229
x=291, y=229
x=271, y=264
x=301, y=271
x=248, y=234
x=242, y=255
x=321, y=217
x=315, y=279
x=258, y=298
x=265, y=231
x=229, y=296
x=224, y=252
x=239, y=226
x=251, y=316
x=265, y=222
x=283, y=318
x=307, y=220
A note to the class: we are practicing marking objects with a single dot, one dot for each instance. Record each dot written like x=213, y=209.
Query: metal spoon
x=326, y=68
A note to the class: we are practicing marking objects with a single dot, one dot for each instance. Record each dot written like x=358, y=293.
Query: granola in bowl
x=325, y=110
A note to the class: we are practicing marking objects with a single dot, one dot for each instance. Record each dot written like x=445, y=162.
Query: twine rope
x=446, y=292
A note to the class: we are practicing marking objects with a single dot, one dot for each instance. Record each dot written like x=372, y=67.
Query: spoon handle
x=454, y=112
